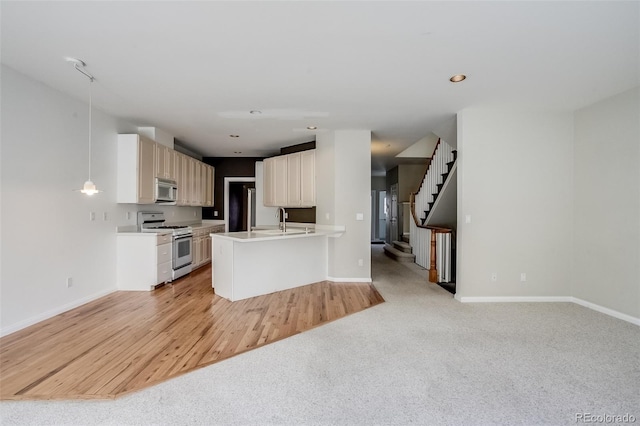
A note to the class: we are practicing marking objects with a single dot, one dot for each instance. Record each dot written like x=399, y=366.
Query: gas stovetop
x=154, y=222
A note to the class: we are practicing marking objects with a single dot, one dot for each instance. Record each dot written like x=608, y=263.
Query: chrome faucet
x=283, y=224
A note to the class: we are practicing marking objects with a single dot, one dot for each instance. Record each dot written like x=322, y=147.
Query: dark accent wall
x=227, y=167
x=302, y=215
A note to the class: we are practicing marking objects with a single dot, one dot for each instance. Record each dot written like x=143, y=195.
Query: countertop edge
x=246, y=237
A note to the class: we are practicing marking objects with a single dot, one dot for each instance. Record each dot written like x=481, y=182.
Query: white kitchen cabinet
x=143, y=260
x=280, y=182
x=141, y=161
x=197, y=184
x=209, y=185
x=202, y=244
x=308, y=178
x=269, y=195
x=136, y=169
x=182, y=170
x=293, y=180
x=165, y=165
x=275, y=181
x=289, y=180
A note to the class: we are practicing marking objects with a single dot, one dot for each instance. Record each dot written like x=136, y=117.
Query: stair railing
x=425, y=238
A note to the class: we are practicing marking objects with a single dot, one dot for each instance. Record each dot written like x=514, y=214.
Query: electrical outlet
x=286, y=215
x=327, y=216
x=494, y=276
x=129, y=215
x=215, y=213
x=467, y=218
x=105, y=216
x=359, y=216
x=523, y=276
x=92, y=216
x=69, y=282
x=195, y=213
x=360, y=262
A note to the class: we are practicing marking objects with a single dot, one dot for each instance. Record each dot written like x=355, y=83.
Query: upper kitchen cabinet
x=289, y=180
x=293, y=180
x=141, y=161
x=268, y=196
x=136, y=169
x=165, y=163
x=308, y=178
x=208, y=185
x=181, y=167
x=275, y=181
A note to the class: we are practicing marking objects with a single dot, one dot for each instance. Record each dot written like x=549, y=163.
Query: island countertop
x=272, y=234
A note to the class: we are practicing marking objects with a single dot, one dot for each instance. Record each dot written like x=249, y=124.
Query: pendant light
x=89, y=188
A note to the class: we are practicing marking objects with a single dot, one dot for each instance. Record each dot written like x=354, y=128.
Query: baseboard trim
x=499, y=299
x=4, y=331
x=349, y=280
x=606, y=311
x=570, y=299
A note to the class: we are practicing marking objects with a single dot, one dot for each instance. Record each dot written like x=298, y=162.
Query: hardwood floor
x=127, y=341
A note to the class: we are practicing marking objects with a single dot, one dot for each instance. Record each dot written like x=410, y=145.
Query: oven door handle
x=181, y=237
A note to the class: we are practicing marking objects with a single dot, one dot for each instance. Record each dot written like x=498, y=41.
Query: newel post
x=433, y=273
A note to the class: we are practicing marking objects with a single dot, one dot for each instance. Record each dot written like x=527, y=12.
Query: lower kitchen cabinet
x=143, y=260
x=202, y=244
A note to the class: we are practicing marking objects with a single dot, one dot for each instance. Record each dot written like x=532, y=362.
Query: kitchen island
x=248, y=264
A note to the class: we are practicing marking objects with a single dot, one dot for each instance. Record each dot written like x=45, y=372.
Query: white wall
x=46, y=235
x=343, y=189
x=606, y=254
x=515, y=181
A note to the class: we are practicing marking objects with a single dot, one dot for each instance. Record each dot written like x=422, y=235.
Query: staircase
x=432, y=244
x=400, y=251
x=444, y=159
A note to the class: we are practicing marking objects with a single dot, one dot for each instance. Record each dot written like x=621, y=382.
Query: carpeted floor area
x=420, y=358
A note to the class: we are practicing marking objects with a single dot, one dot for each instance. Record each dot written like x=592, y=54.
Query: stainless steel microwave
x=166, y=191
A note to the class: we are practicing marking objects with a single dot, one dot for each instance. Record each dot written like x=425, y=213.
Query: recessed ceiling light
x=457, y=78
x=234, y=136
x=312, y=127
x=255, y=111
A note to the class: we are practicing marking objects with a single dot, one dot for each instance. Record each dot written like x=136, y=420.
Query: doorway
x=236, y=206
x=378, y=216
x=392, y=213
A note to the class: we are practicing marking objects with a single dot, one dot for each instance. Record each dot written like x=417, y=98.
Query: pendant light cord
x=90, y=104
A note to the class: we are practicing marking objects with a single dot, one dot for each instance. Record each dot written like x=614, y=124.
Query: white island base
x=248, y=265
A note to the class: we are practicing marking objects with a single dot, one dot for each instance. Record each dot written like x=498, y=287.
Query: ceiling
x=197, y=69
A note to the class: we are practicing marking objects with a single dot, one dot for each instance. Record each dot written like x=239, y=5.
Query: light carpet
x=419, y=358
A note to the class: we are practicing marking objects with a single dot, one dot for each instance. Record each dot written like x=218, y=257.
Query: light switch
x=359, y=216
x=215, y=213
x=467, y=218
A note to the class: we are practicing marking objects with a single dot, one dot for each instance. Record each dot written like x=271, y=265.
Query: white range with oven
x=181, y=240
